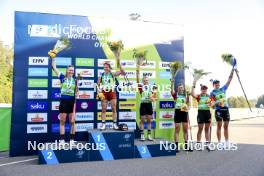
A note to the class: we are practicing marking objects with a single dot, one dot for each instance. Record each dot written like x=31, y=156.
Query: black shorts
x=222, y=115
x=66, y=106
x=180, y=116
x=204, y=116
x=146, y=109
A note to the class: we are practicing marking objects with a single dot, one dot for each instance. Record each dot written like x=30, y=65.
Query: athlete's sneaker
x=150, y=137
x=103, y=126
x=142, y=137
x=115, y=126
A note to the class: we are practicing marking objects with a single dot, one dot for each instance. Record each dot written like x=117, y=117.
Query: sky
x=211, y=27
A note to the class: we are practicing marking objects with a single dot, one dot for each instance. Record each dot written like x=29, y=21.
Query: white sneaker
x=150, y=137
x=115, y=126
x=142, y=137
x=103, y=126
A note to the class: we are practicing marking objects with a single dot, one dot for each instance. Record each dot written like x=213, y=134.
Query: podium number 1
x=49, y=155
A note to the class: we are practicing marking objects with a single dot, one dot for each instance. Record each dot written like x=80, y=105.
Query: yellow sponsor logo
x=127, y=105
x=109, y=116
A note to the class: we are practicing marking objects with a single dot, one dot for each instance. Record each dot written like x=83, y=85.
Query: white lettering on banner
x=84, y=127
x=149, y=64
x=37, y=117
x=166, y=114
x=165, y=95
x=37, y=128
x=84, y=116
x=56, y=83
x=164, y=65
x=99, y=105
x=166, y=124
x=128, y=63
x=149, y=74
x=38, y=61
x=37, y=94
x=85, y=72
x=102, y=61
x=127, y=115
x=55, y=105
x=86, y=83
x=57, y=30
x=85, y=94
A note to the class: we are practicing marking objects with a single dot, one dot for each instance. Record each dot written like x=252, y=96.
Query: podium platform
x=105, y=145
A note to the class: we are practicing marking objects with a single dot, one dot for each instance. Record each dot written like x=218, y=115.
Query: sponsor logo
x=39, y=128
x=82, y=127
x=61, y=70
x=99, y=105
x=56, y=83
x=85, y=95
x=63, y=61
x=38, y=61
x=130, y=125
x=80, y=154
x=55, y=94
x=166, y=125
x=55, y=105
x=85, y=72
x=85, y=62
x=37, y=117
x=85, y=105
x=166, y=114
x=131, y=74
x=37, y=82
x=127, y=95
x=55, y=128
x=165, y=95
x=102, y=61
x=127, y=105
x=33, y=106
x=86, y=83
x=149, y=64
x=164, y=65
x=127, y=115
x=165, y=74
x=109, y=116
x=166, y=104
x=149, y=74
x=38, y=72
x=128, y=63
x=84, y=116
x=107, y=124
x=58, y=30
x=37, y=94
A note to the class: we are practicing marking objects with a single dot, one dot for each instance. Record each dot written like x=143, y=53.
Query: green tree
x=6, y=70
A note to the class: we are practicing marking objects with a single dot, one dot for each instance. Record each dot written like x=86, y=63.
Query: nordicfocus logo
x=168, y=146
x=57, y=30
x=37, y=117
x=37, y=94
x=41, y=128
x=38, y=61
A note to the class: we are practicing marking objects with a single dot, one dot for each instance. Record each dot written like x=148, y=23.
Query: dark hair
x=203, y=87
x=109, y=65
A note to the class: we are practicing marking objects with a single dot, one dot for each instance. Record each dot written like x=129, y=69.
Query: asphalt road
x=248, y=160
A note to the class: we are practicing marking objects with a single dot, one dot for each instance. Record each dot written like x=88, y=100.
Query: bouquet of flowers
x=229, y=58
x=116, y=47
x=174, y=68
x=140, y=56
x=199, y=73
x=61, y=44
